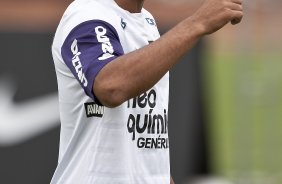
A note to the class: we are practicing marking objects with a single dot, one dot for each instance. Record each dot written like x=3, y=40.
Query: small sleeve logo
x=151, y=21
x=123, y=23
x=94, y=110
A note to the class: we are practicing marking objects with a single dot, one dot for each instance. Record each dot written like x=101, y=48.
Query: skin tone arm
x=134, y=73
x=171, y=180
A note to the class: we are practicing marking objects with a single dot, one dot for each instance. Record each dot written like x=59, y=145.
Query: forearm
x=136, y=72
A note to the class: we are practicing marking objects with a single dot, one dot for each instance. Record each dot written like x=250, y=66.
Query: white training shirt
x=99, y=145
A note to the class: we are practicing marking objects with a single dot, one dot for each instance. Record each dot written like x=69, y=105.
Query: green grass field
x=244, y=96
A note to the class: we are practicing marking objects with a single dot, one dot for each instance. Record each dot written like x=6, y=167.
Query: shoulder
x=81, y=11
x=147, y=13
x=149, y=17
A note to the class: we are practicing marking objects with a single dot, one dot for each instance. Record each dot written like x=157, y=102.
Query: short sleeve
x=88, y=48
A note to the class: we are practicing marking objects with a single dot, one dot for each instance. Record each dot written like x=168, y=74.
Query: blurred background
x=225, y=113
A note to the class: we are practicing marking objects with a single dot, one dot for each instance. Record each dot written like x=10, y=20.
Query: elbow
x=111, y=100
x=109, y=95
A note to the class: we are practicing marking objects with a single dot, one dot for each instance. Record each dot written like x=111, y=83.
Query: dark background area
x=27, y=61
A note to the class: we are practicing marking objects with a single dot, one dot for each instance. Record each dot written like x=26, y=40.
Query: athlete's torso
x=123, y=145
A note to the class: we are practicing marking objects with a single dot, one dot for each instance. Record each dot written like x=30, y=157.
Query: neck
x=133, y=6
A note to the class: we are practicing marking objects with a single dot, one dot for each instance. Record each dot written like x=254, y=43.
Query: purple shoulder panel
x=88, y=48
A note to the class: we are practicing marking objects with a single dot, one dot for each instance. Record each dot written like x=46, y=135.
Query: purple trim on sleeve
x=88, y=48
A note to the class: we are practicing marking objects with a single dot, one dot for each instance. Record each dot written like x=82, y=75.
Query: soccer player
x=113, y=81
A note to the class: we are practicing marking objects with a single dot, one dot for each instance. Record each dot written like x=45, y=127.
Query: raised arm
x=136, y=72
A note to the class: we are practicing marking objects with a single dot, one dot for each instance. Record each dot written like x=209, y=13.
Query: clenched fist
x=214, y=14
